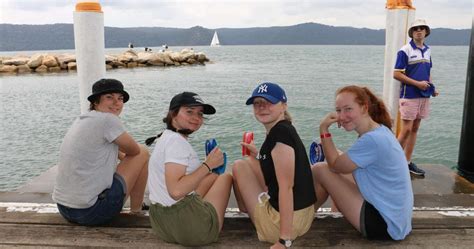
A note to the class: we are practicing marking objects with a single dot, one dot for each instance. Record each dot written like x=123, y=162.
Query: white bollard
x=399, y=18
x=90, y=45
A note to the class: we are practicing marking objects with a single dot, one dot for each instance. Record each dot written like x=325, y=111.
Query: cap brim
x=206, y=108
x=269, y=98
x=92, y=97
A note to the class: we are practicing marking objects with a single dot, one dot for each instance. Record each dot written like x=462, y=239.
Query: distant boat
x=215, y=40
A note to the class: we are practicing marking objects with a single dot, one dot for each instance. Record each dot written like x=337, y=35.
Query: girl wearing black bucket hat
x=188, y=200
x=91, y=185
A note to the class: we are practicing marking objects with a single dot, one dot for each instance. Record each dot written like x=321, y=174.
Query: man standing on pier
x=412, y=69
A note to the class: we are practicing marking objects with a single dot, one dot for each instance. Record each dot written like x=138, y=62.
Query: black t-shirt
x=303, y=188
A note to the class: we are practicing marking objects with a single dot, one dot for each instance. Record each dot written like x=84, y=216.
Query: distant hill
x=61, y=36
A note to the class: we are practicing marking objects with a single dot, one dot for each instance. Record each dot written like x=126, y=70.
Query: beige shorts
x=267, y=220
x=411, y=109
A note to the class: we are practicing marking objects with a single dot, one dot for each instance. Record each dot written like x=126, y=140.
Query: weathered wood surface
x=430, y=229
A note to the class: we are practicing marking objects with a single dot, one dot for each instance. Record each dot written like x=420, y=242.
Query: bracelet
x=325, y=135
x=205, y=164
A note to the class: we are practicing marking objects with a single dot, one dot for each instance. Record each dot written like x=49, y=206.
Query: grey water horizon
x=37, y=110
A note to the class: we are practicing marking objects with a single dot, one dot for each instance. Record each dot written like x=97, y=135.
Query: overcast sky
x=455, y=14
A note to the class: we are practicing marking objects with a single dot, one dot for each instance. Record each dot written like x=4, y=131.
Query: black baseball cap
x=190, y=99
x=104, y=86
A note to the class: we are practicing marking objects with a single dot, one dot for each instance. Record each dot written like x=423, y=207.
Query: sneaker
x=415, y=170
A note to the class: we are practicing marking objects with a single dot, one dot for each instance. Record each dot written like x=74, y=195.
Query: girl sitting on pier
x=379, y=203
x=188, y=199
x=91, y=186
x=276, y=187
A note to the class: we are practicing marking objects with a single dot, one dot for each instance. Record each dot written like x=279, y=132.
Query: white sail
x=215, y=40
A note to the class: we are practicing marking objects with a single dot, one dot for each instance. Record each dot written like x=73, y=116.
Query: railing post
x=466, y=147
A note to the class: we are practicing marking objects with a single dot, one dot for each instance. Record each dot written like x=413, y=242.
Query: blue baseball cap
x=429, y=91
x=269, y=91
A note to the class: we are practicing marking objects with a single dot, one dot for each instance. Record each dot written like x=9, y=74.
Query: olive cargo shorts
x=189, y=222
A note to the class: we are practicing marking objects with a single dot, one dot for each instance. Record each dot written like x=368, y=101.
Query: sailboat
x=215, y=40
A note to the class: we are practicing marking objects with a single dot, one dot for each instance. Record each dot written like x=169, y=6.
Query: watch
x=286, y=242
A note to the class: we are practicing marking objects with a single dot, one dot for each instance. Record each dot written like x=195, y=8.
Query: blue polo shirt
x=415, y=63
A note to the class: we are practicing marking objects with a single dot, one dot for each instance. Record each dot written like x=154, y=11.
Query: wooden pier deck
x=443, y=218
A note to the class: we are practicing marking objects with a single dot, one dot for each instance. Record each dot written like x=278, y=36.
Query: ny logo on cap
x=262, y=88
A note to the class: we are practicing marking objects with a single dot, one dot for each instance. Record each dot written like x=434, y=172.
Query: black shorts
x=372, y=224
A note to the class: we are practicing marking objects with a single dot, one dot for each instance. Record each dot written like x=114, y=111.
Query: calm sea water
x=36, y=110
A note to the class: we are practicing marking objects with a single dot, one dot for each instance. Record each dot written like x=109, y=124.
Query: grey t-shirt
x=88, y=159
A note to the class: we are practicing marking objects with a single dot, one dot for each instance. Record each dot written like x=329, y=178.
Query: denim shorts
x=108, y=205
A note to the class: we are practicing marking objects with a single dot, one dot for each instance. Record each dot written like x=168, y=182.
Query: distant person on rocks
x=188, y=200
x=130, y=45
x=275, y=186
x=412, y=69
x=369, y=183
x=92, y=185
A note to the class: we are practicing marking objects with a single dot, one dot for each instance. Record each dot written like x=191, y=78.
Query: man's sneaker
x=415, y=170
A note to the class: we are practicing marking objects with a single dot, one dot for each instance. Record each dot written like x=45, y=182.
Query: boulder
x=132, y=64
x=54, y=69
x=8, y=69
x=201, y=57
x=50, y=61
x=16, y=61
x=64, y=60
x=72, y=66
x=110, y=58
x=23, y=69
x=144, y=57
x=191, y=61
x=128, y=56
x=41, y=69
x=177, y=57
x=35, y=61
x=108, y=67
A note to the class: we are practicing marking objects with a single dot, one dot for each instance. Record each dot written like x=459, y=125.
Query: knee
x=319, y=170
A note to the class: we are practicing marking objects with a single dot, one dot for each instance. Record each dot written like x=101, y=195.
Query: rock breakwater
x=48, y=63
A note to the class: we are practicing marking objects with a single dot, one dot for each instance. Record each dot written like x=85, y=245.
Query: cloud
x=237, y=14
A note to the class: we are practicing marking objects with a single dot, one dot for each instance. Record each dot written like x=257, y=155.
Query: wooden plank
x=57, y=235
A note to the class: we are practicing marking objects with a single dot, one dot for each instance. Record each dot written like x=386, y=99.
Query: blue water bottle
x=209, y=146
x=316, y=153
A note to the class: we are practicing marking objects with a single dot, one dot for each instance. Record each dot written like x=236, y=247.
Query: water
x=36, y=110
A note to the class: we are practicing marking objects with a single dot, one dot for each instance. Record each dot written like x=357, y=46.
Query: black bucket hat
x=190, y=99
x=104, y=86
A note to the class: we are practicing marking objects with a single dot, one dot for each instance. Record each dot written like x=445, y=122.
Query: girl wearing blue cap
x=275, y=186
x=379, y=203
x=91, y=186
x=188, y=200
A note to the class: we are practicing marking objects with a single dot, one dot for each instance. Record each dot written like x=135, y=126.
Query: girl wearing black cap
x=275, y=185
x=91, y=186
x=188, y=200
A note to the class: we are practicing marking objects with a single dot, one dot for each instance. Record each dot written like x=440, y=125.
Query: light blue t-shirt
x=383, y=178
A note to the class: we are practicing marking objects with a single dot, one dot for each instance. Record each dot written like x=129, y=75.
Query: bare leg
x=247, y=184
x=405, y=132
x=134, y=170
x=321, y=193
x=218, y=195
x=411, y=141
x=345, y=193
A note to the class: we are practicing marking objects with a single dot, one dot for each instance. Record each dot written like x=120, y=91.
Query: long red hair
x=365, y=97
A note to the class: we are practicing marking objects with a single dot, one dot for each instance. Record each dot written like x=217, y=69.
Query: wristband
x=325, y=135
x=207, y=166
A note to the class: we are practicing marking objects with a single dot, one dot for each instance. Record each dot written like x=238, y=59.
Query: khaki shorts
x=190, y=222
x=267, y=220
x=411, y=109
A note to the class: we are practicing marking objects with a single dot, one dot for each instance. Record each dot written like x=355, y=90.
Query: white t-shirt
x=171, y=147
x=88, y=159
